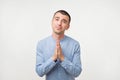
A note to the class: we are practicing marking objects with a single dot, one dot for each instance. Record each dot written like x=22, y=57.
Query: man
x=58, y=56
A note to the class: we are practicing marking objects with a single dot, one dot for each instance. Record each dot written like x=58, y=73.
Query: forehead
x=59, y=15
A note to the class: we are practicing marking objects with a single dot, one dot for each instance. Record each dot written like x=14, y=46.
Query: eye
x=64, y=21
x=57, y=19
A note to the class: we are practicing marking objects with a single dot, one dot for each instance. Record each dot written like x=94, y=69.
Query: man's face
x=60, y=23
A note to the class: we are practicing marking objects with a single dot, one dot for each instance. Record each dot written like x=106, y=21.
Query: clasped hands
x=58, y=52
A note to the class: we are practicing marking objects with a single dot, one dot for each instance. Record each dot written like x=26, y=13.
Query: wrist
x=62, y=58
x=54, y=59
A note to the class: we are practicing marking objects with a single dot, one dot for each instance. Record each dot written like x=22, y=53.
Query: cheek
x=66, y=27
x=53, y=23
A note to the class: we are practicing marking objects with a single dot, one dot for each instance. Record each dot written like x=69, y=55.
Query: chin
x=57, y=33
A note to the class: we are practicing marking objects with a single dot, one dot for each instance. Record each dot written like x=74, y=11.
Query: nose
x=59, y=22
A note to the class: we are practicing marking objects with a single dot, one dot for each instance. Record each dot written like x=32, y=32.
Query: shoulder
x=44, y=40
x=73, y=43
x=72, y=40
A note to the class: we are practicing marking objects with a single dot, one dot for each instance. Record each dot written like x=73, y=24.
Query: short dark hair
x=64, y=13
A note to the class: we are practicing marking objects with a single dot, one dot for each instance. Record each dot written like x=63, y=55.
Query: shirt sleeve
x=42, y=67
x=73, y=67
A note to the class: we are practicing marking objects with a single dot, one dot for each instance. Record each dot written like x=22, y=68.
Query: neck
x=58, y=36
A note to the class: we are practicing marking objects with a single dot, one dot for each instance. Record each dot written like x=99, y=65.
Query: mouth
x=58, y=27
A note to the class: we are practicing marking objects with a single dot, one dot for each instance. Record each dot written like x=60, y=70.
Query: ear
x=67, y=27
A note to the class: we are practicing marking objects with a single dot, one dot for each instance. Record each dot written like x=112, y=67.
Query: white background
x=95, y=24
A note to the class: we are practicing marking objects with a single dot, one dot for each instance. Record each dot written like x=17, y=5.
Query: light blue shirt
x=68, y=69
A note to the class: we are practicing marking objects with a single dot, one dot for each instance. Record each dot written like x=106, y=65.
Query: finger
x=58, y=43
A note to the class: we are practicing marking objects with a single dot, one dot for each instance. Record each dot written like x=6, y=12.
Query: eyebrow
x=57, y=17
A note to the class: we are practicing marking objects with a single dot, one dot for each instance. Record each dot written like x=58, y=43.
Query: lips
x=58, y=28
